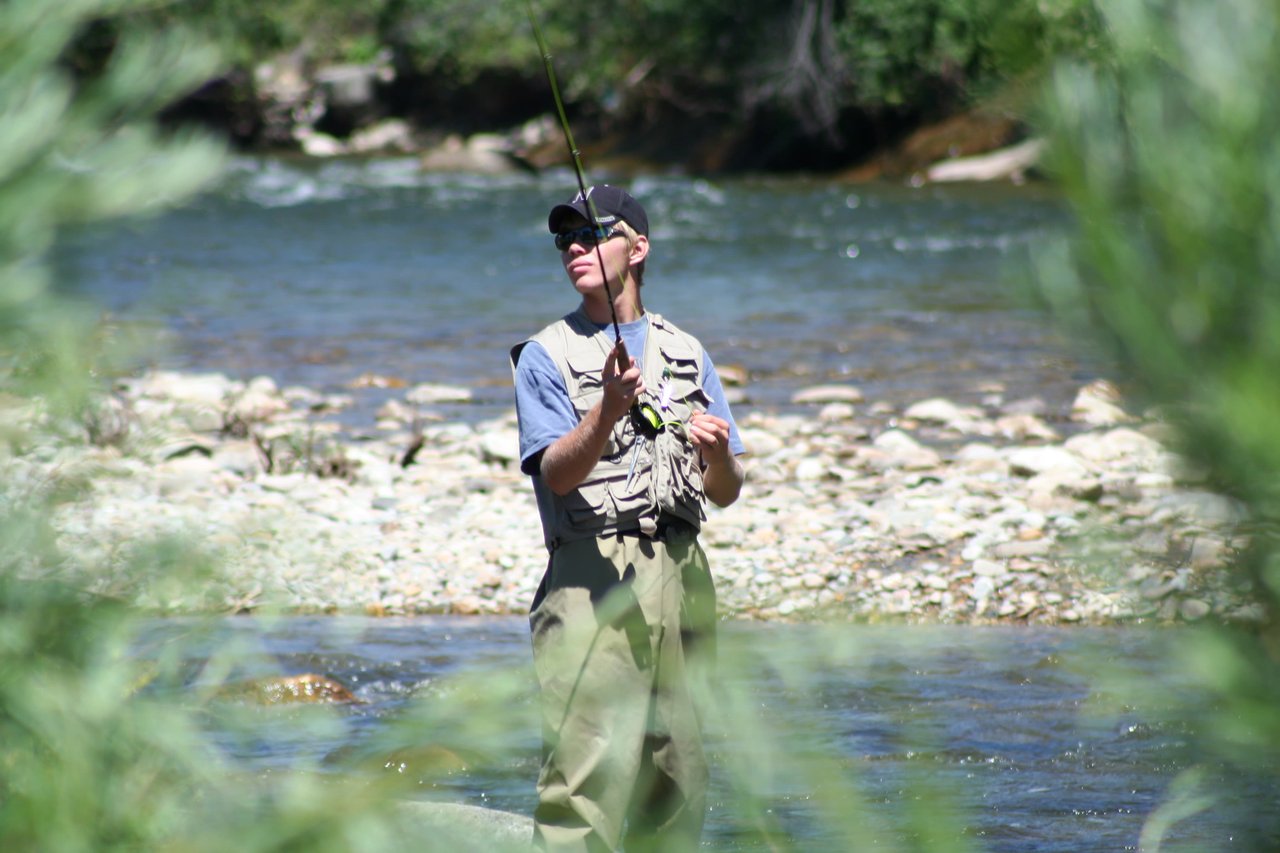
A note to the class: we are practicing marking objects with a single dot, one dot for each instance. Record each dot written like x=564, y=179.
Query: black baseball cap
x=611, y=204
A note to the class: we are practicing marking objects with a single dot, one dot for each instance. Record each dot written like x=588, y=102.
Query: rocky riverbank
x=852, y=510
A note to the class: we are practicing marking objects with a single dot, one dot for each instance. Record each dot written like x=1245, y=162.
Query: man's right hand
x=622, y=385
x=571, y=457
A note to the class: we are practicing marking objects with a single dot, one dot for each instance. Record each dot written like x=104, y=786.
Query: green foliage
x=248, y=32
x=458, y=39
x=900, y=53
x=814, y=60
x=74, y=151
x=1168, y=155
x=90, y=760
x=1172, y=165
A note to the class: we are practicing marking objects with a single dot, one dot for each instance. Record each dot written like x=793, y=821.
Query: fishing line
x=592, y=216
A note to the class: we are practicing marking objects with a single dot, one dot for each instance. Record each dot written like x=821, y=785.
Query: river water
x=318, y=273
x=1029, y=738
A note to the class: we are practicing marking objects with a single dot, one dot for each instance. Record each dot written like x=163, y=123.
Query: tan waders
x=623, y=629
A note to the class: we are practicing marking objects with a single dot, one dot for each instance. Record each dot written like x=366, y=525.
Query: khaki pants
x=623, y=631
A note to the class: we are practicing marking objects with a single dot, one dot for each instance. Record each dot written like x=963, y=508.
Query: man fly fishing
x=622, y=451
x=622, y=454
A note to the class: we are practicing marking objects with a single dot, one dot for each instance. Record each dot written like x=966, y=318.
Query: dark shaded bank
x=376, y=108
x=292, y=104
x=777, y=86
x=877, y=89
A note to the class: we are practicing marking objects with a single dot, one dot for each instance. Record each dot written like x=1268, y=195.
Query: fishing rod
x=593, y=218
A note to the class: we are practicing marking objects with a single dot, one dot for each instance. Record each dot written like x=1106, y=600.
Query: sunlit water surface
x=1020, y=731
x=320, y=273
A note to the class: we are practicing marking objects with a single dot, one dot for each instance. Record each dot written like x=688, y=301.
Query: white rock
x=988, y=568
x=481, y=154
x=1117, y=444
x=428, y=393
x=500, y=446
x=942, y=411
x=982, y=590
x=895, y=440
x=397, y=411
x=760, y=442
x=732, y=374
x=1205, y=508
x=1023, y=427
x=1193, y=609
x=827, y=394
x=903, y=451
x=189, y=389
x=258, y=404
x=1009, y=163
x=239, y=456
x=203, y=419
x=981, y=458
x=1026, y=461
x=184, y=473
x=387, y=135
x=833, y=412
x=282, y=482
x=316, y=144
x=1069, y=483
x=1098, y=404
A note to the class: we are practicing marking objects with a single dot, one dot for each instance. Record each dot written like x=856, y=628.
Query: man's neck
x=626, y=309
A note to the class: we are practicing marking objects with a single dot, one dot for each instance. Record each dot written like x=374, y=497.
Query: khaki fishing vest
x=638, y=480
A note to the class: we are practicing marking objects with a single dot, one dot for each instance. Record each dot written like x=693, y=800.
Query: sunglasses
x=586, y=235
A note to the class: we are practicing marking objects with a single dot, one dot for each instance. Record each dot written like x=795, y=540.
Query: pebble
x=843, y=516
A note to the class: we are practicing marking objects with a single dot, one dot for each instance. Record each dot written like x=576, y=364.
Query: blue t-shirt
x=545, y=412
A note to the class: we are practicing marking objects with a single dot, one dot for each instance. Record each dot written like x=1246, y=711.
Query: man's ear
x=639, y=250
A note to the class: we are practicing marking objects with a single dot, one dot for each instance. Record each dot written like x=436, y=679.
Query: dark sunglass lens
x=565, y=239
x=584, y=235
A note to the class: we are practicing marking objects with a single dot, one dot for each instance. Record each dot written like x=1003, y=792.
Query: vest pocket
x=584, y=506
x=586, y=371
x=683, y=391
x=630, y=490
x=677, y=477
x=614, y=495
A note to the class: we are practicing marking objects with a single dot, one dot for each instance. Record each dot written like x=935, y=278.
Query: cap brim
x=561, y=212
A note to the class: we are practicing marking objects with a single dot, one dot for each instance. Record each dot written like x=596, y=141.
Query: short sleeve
x=542, y=405
x=719, y=406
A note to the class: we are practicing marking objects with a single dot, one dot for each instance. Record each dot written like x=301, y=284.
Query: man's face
x=581, y=263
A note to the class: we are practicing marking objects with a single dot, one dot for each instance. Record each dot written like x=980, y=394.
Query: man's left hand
x=722, y=477
x=711, y=436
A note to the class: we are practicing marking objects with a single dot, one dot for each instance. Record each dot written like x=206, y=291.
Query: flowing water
x=1017, y=732
x=317, y=274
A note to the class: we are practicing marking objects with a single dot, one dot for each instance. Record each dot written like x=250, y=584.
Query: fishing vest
x=639, y=479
